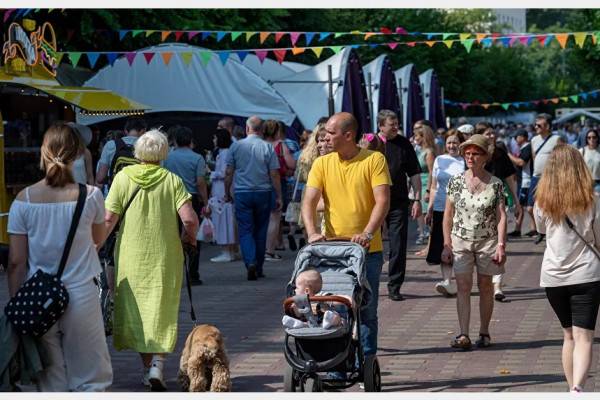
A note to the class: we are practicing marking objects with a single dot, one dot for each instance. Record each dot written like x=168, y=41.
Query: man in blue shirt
x=191, y=168
x=253, y=168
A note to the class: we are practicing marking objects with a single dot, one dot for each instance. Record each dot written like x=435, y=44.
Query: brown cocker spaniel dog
x=204, y=364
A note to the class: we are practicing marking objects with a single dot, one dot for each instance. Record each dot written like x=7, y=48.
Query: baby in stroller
x=310, y=283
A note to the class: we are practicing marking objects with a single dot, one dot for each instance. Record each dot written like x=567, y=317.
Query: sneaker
x=514, y=234
x=273, y=257
x=446, y=288
x=499, y=296
x=292, y=323
x=539, y=239
x=531, y=233
x=196, y=281
x=155, y=375
x=146, y=377
x=252, y=273
x=222, y=258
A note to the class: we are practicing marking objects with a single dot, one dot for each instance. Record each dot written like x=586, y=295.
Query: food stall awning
x=91, y=101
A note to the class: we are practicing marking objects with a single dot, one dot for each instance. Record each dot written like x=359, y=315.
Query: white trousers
x=76, y=346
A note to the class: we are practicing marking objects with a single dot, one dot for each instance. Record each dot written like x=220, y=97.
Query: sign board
x=23, y=50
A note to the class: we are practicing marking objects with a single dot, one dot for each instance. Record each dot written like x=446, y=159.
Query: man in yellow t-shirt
x=355, y=186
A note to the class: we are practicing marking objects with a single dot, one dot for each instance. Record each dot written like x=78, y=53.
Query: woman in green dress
x=426, y=155
x=149, y=254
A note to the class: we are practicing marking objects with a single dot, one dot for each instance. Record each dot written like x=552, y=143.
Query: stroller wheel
x=289, y=379
x=372, y=374
x=313, y=385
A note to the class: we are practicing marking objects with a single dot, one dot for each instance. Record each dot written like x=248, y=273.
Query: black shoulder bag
x=589, y=246
x=43, y=298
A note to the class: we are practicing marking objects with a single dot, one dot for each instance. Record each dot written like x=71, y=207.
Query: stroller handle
x=338, y=239
x=287, y=303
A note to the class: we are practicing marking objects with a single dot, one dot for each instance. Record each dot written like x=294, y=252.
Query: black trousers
x=397, y=222
x=195, y=260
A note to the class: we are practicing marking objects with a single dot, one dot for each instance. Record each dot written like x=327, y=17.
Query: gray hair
x=254, y=124
x=383, y=115
x=152, y=146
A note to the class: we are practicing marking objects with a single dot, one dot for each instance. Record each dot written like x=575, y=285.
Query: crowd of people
x=152, y=190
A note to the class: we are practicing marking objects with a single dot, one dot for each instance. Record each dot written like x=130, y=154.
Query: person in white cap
x=467, y=130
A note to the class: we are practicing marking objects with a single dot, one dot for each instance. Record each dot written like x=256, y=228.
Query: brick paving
x=414, y=335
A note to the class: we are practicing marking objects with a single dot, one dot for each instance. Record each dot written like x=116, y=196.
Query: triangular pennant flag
x=298, y=50
x=336, y=49
x=7, y=14
x=574, y=98
x=112, y=57
x=164, y=35
x=430, y=43
x=595, y=36
x=487, y=42
x=205, y=57
x=136, y=32
x=148, y=33
x=221, y=35
x=548, y=39
x=480, y=37
x=242, y=54
x=149, y=56
x=504, y=42
x=74, y=57
x=583, y=96
x=261, y=54
x=505, y=105
x=392, y=45
x=338, y=34
x=206, y=35
x=524, y=40
x=542, y=40
x=122, y=34
x=279, y=35
x=317, y=51
x=223, y=56
x=93, y=59
x=130, y=57
x=430, y=36
x=166, y=57
x=324, y=35
x=368, y=35
x=555, y=100
x=373, y=45
x=59, y=57
x=263, y=36
x=309, y=37
x=178, y=35
x=411, y=44
x=280, y=55
x=186, y=57
x=355, y=32
x=594, y=94
x=191, y=34
x=355, y=46
x=580, y=38
x=294, y=37
x=464, y=36
x=249, y=35
x=235, y=35
x=401, y=31
x=486, y=106
x=445, y=36
x=464, y=106
x=448, y=43
x=385, y=31
x=562, y=39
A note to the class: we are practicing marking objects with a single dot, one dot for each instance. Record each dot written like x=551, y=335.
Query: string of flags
x=543, y=40
x=23, y=12
x=574, y=98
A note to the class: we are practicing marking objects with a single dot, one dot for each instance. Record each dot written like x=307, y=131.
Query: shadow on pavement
x=255, y=383
x=487, y=383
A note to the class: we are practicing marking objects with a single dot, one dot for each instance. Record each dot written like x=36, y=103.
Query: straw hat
x=477, y=140
x=84, y=132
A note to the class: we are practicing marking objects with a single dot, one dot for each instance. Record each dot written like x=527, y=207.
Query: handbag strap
x=135, y=192
x=72, y=229
x=187, y=250
x=589, y=246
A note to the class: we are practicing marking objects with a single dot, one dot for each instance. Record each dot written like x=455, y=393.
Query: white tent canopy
x=230, y=89
x=575, y=114
x=307, y=91
x=268, y=69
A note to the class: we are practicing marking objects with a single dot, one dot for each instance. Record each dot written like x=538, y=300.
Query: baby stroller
x=313, y=352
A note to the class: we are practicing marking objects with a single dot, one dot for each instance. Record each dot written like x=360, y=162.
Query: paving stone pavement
x=414, y=335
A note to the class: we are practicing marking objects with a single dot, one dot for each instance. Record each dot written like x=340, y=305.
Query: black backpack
x=123, y=157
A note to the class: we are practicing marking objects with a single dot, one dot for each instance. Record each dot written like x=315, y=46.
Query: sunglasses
x=539, y=126
x=593, y=137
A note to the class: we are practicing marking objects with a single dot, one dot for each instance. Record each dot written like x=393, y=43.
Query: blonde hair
x=60, y=148
x=152, y=146
x=428, y=139
x=564, y=167
x=310, y=152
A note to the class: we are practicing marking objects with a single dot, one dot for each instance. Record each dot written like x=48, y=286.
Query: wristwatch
x=368, y=235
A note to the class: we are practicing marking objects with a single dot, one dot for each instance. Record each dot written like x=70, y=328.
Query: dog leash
x=188, y=252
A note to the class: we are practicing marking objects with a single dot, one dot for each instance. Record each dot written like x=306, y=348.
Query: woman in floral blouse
x=475, y=236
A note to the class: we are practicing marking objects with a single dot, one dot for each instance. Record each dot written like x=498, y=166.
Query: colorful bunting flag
x=192, y=34
x=74, y=57
x=309, y=37
x=205, y=57
x=336, y=49
x=223, y=56
x=235, y=35
x=186, y=57
x=130, y=57
x=164, y=35
x=392, y=45
x=7, y=14
x=324, y=35
x=263, y=36
x=242, y=55
x=261, y=54
x=166, y=57
x=562, y=39
x=178, y=35
x=136, y=32
x=148, y=56
x=580, y=38
x=430, y=43
x=221, y=35
x=122, y=34
x=338, y=34
x=278, y=36
x=449, y=43
x=317, y=51
x=205, y=35
x=368, y=35
x=279, y=55
x=112, y=57
x=93, y=59
x=298, y=50
x=148, y=33
x=464, y=36
x=574, y=98
x=294, y=37
x=249, y=35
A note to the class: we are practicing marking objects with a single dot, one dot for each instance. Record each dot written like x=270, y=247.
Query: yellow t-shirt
x=347, y=188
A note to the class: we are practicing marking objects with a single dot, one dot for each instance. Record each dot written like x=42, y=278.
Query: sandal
x=462, y=341
x=484, y=340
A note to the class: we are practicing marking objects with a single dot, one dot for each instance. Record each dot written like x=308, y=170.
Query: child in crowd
x=310, y=282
